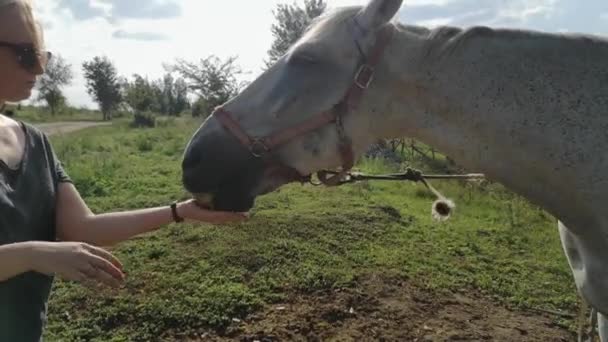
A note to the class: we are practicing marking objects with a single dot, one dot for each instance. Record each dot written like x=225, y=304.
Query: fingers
x=105, y=255
x=94, y=271
x=80, y=276
x=106, y=267
x=100, y=276
x=194, y=212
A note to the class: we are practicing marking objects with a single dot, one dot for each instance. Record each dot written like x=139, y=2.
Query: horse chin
x=204, y=201
x=276, y=176
x=235, y=201
x=243, y=198
x=269, y=185
x=224, y=202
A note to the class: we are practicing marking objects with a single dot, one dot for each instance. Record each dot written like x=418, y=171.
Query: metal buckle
x=364, y=84
x=258, y=148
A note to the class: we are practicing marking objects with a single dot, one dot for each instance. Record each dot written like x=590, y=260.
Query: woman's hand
x=76, y=261
x=189, y=210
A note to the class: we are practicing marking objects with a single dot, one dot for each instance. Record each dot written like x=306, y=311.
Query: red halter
x=261, y=146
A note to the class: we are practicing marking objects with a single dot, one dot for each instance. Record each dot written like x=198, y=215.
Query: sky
x=140, y=35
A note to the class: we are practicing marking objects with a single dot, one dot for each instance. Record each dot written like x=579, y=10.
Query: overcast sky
x=140, y=35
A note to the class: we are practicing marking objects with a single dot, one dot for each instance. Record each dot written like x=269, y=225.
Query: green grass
x=42, y=115
x=184, y=279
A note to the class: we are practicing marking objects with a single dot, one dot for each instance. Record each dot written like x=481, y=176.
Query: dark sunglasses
x=27, y=55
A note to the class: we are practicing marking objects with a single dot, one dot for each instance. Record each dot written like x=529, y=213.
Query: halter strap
x=262, y=146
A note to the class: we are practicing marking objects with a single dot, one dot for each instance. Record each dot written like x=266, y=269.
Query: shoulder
x=18, y=125
x=33, y=131
x=34, y=136
x=8, y=123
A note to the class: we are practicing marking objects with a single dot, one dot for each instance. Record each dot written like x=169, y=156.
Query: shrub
x=143, y=120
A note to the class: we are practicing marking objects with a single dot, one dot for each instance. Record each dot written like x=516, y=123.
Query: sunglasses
x=28, y=56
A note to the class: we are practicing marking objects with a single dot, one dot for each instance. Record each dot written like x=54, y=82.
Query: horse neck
x=411, y=99
x=427, y=90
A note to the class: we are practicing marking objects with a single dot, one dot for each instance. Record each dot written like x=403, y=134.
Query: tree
x=103, y=84
x=292, y=21
x=167, y=96
x=139, y=94
x=214, y=80
x=58, y=74
x=199, y=108
x=180, y=93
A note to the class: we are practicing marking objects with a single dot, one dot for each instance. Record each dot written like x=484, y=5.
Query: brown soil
x=381, y=309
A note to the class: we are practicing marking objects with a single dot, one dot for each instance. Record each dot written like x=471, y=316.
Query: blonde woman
x=40, y=209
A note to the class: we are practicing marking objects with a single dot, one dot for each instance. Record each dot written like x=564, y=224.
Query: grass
x=42, y=115
x=184, y=279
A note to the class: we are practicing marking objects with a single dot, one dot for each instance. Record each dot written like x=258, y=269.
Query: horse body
x=528, y=109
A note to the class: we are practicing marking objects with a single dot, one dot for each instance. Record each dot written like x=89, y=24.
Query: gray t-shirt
x=27, y=213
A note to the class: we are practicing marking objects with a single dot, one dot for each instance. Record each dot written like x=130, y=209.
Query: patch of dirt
x=67, y=127
x=382, y=309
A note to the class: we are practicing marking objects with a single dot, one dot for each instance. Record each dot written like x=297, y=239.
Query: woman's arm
x=72, y=261
x=15, y=259
x=76, y=222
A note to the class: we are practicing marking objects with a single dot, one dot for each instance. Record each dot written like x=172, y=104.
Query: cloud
x=521, y=11
x=545, y=15
x=81, y=9
x=144, y=9
x=116, y=10
x=435, y=22
x=465, y=12
x=144, y=36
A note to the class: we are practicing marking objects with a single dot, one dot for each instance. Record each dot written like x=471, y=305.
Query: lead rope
x=441, y=208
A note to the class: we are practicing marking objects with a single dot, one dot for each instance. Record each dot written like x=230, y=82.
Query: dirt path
x=67, y=127
x=384, y=309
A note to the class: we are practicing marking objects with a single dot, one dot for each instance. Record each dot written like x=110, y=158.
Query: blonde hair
x=27, y=13
x=7, y=2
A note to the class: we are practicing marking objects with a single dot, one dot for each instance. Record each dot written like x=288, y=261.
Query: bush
x=200, y=108
x=144, y=144
x=383, y=150
x=144, y=119
x=165, y=122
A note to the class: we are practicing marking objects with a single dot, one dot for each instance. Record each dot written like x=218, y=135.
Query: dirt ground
x=381, y=309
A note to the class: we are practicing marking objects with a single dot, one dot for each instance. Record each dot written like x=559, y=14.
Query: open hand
x=189, y=210
x=79, y=262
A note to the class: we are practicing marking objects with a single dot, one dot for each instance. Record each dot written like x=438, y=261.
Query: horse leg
x=586, y=256
x=602, y=326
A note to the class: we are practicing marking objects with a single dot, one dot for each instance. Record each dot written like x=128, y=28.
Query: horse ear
x=377, y=13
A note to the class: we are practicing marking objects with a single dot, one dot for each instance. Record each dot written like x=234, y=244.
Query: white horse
x=528, y=109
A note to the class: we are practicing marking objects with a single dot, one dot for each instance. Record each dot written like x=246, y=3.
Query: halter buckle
x=364, y=76
x=258, y=148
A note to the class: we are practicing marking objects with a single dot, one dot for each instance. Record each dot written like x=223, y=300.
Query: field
x=360, y=262
x=38, y=114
